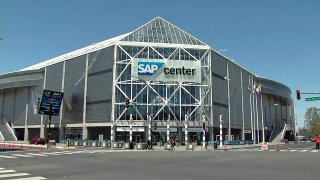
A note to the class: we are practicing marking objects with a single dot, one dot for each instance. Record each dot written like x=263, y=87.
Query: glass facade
x=161, y=31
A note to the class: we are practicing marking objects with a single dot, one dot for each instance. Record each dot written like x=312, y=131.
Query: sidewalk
x=26, y=145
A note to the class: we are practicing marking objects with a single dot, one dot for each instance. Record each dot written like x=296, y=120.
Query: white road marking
x=34, y=154
x=305, y=150
x=13, y=175
x=31, y=178
x=52, y=153
x=8, y=157
x=293, y=150
x=7, y=171
x=21, y=155
x=315, y=151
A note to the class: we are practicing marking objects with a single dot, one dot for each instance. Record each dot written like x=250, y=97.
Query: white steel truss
x=162, y=100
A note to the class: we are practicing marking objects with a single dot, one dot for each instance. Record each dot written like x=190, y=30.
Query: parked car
x=37, y=140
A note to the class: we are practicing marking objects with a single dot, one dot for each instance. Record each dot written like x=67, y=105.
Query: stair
x=7, y=132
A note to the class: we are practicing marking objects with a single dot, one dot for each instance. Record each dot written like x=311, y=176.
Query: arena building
x=157, y=81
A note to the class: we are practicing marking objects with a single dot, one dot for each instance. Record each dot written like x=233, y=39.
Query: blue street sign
x=50, y=97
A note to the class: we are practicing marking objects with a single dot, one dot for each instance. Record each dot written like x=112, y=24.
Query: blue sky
x=275, y=39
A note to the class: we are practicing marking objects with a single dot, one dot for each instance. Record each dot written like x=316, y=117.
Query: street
x=110, y=164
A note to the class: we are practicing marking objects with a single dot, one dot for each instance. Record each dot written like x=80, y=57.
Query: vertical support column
x=204, y=131
x=149, y=128
x=204, y=139
x=229, y=108
x=115, y=53
x=111, y=135
x=84, y=127
x=242, y=106
x=130, y=138
x=62, y=124
x=220, y=119
x=168, y=130
x=186, y=130
x=41, y=119
x=26, y=131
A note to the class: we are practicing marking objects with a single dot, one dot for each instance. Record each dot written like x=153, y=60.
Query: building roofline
x=76, y=53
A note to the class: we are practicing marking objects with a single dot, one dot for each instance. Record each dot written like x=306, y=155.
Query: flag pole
x=250, y=92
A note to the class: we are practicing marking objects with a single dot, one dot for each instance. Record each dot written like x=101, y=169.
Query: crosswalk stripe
x=7, y=171
x=21, y=155
x=293, y=150
x=31, y=178
x=34, y=154
x=305, y=150
x=7, y=157
x=52, y=153
x=1, y=168
x=13, y=175
x=315, y=151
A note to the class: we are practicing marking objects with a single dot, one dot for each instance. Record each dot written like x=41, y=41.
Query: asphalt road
x=102, y=164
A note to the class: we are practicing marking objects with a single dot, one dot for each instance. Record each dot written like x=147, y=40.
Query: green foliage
x=312, y=121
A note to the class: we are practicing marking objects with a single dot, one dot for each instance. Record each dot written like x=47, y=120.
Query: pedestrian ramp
x=14, y=175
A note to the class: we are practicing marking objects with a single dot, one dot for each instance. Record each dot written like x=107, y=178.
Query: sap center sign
x=167, y=70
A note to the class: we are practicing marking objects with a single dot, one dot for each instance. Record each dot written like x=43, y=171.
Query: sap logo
x=148, y=68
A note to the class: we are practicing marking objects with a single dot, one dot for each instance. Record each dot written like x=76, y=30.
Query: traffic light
x=127, y=102
x=298, y=94
x=155, y=126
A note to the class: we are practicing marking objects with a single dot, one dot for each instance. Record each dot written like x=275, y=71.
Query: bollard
x=277, y=147
x=225, y=147
x=12, y=145
x=9, y=145
x=20, y=146
x=30, y=147
x=192, y=146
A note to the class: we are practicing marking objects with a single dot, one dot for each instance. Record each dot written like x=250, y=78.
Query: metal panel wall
x=20, y=105
x=99, y=91
x=246, y=99
x=54, y=82
x=8, y=106
x=219, y=89
x=74, y=90
x=235, y=96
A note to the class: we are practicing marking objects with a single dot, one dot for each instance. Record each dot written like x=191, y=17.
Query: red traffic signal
x=298, y=94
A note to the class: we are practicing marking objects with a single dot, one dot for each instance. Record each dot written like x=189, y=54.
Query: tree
x=312, y=121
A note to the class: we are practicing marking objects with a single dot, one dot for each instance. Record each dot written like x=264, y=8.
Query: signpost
x=316, y=98
x=50, y=105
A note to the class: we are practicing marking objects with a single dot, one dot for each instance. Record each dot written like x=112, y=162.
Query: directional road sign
x=50, y=97
x=316, y=98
